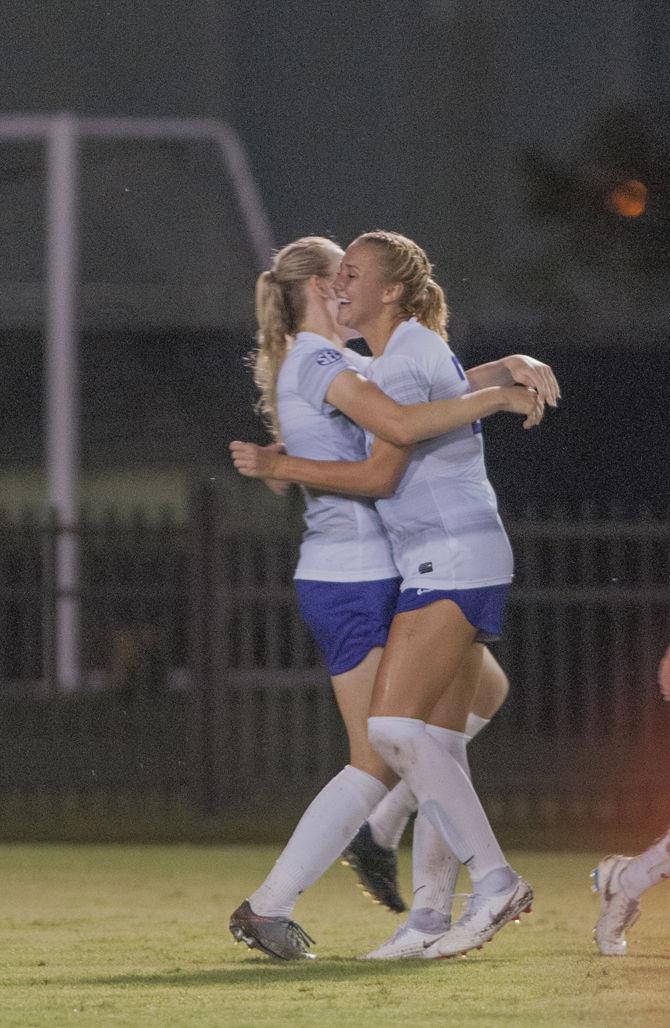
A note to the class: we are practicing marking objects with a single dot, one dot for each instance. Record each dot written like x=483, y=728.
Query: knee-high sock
x=327, y=826
x=444, y=792
x=647, y=868
x=453, y=742
x=389, y=818
x=434, y=875
x=435, y=867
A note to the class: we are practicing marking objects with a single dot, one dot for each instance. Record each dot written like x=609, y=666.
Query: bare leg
x=492, y=688
x=398, y=729
x=425, y=649
x=452, y=708
x=388, y=820
x=353, y=692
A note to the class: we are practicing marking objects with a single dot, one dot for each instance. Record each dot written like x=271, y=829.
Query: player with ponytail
x=346, y=579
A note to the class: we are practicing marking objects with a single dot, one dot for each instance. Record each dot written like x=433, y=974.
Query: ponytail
x=272, y=339
x=431, y=309
x=280, y=306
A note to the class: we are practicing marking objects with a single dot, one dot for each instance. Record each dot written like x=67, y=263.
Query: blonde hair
x=280, y=307
x=402, y=260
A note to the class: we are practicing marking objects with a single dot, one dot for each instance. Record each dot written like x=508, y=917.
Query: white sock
x=647, y=869
x=475, y=724
x=389, y=818
x=324, y=830
x=434, y=873
x=444, y=792
x=498, y=878
x=453, y=742
x=435, y=868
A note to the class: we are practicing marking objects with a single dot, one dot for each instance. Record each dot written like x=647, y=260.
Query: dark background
x=494, y=134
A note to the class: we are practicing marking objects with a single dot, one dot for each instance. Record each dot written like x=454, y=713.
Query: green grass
x=132, y=935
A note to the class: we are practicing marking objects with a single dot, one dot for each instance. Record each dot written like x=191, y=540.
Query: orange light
x=628, y=199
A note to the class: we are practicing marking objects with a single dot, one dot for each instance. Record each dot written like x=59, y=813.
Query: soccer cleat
x=405, y=944
x=617, y=911
x=276, y=936
x=376, y=867
x=483, y=917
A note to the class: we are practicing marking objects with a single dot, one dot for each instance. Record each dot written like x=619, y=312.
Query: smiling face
x=385, y=279
x=363, y=294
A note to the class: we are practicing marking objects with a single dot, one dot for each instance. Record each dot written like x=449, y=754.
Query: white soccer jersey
x=442, y=520
x=345, y=540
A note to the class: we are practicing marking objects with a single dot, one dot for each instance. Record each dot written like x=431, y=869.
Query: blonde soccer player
x=434, y=629
x=315, y=397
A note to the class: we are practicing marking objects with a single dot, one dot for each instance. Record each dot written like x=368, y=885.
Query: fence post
x=204, y=516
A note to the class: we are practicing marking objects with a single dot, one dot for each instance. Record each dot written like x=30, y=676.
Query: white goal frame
x=62, y=133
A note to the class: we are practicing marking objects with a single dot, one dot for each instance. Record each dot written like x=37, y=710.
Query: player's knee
x=397, y=740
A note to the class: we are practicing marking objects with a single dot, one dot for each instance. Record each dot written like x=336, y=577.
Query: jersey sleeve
x=317, y=370
x=360, y=362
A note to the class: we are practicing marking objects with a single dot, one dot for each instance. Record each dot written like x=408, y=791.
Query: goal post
x=61, y=134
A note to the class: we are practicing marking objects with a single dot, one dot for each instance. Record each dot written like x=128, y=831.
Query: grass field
x=124, y=935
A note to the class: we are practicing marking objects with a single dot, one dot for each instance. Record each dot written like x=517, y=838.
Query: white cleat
x=405, y=944
x=483, y=917
x=617, y=911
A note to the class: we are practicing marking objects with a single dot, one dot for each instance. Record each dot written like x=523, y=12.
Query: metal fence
x=202, y=683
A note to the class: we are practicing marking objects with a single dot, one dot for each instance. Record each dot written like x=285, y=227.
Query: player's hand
x=534, y=375
x=664, y=675
x=255, y=461
x=525, y=401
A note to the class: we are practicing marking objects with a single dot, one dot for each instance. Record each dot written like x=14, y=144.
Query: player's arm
x=521, y=369
x=276, y=485
x=405, y=424
x=376, y=476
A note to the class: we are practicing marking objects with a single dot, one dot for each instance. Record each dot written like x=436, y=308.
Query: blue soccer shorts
x=347, y=619
x=483, y=607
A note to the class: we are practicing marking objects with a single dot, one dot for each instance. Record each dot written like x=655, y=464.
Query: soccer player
x=621, y=881
x=346, y=579
x=444, y=511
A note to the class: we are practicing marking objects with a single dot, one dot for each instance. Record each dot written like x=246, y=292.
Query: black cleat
x=275, y=936
x=376, y=867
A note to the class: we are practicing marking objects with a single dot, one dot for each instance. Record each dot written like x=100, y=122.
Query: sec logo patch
x=325, y=357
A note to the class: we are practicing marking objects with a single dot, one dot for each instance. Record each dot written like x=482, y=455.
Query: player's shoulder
x=311, y=351
x=316, y=348
x=417, y=343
